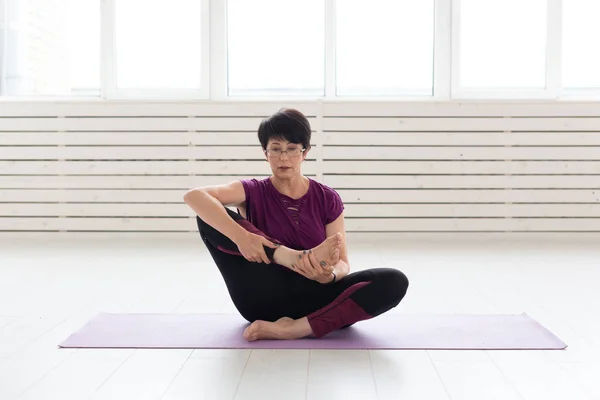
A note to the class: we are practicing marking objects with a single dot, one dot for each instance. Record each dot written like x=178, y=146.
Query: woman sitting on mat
x=283, y=256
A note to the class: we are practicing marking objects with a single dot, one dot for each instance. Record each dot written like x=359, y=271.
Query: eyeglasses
x=277, y=152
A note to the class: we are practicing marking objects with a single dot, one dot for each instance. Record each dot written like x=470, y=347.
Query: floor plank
x=408, y=374
x=274, y=374
x=147, y=374
x=49, y=290
x=340, y=374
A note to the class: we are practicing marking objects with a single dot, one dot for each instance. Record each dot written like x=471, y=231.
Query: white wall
x=399, y=166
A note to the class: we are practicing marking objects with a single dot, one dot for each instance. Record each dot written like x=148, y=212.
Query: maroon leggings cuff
x=341, y=312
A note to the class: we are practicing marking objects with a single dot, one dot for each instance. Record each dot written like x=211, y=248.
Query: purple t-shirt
x=296, y=223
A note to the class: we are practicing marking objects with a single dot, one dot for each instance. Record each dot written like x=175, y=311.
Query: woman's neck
x=294, y=187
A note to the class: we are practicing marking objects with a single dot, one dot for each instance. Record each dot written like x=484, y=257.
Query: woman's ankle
x=285, y=256
x=302, y=327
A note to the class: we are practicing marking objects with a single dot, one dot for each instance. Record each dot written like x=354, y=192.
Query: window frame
x=552, y=71
x=214, y=80
x=108, y=83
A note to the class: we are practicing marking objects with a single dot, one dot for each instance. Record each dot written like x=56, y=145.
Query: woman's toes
x=247, y=333
x=250, y=332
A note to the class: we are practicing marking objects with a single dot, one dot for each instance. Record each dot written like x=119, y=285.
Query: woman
x=283, y=256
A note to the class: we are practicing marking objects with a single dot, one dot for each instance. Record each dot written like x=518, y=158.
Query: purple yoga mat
x=388, y=331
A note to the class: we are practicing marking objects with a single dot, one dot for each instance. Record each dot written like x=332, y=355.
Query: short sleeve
x=250, y=189
x=334, y=206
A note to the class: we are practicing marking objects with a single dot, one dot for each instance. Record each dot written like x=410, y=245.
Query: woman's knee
x=400, y=281
x=207, y=231
x=386, y=289
x=202, y=225
x=394, y=285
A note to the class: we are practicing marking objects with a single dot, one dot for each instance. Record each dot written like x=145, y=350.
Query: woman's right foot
x=327, y=252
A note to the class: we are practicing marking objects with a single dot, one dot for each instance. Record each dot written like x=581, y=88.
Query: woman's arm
x=207, y=203
x=342, y=267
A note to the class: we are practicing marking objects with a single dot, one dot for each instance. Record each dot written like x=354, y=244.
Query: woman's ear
x=305, y=153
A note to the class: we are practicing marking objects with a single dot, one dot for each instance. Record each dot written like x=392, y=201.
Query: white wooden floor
x=51, y=285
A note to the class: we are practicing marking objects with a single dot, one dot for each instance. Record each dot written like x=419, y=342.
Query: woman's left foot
x=283, y=328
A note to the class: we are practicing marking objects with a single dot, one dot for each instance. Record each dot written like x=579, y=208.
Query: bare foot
x=327, y=252
x=286, y=256
x=283, y=328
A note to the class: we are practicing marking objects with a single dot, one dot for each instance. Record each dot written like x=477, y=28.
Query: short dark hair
x=288, y=124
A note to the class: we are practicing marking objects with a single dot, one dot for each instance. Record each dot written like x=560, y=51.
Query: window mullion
x=205, y=49
x=455, y=84
x=442, y=82
x=107, y=49
x=330, y=48
x=218, y=49
x=554, y=49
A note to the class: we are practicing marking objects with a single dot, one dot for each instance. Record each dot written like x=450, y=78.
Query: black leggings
x=268, y=292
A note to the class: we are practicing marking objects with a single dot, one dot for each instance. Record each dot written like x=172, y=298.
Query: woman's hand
x=251, y=247
x=311, y=268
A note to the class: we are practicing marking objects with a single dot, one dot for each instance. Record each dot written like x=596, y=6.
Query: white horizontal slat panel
x=91, y=195
x=467, y=152
x=128, y=138
x=117, y=182
x=463, y=138
x=461, y=181
x=462, y=108
x=141, y=167
x=96, y=210
x=352, y=224
x=469, y=196
x=331, y=107
x=460, y=153
x=98, y=224
x=146, y=123
x=310, y=167
x=367, y=124
x=352, y=210
x=163, y=108
x=348, y=196
x=330, y=138
x=159, y=167
x=335, y=181
x=474, y=225
x=472, y=210
x=134, y=153
x=128, y=153
x=98, y=124
x=461, y=167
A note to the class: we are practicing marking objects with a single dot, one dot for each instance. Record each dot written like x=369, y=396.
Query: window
x=580, y=54
x=276, y=47
x=214, y=49
x=50, y=47
x=158, y=44
x=384, y=47
x=502, y=44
